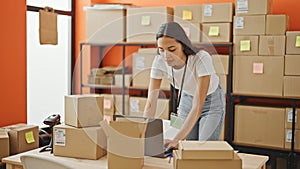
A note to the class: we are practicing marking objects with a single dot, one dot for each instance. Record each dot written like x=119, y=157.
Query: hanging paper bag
x=48, y=26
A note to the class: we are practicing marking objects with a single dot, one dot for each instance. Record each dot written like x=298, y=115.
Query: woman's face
x=172, y=51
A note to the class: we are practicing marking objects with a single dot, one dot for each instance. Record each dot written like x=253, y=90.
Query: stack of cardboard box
x=208, y=155
x=81, y=136
x=189, y=17
x=292, y=68
x=217, y=22
x=18, y=138
x=258, y=49
x=104, y=75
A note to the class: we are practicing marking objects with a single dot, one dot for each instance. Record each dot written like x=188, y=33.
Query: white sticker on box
x=60, y=137
x=208, y=10
x=290, y=116
x=242, y=6
x=239, y=23
x=140, y=63
x=134, y=105
x=288, y=136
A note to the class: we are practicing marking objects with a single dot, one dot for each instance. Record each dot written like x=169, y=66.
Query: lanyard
x=182, y=80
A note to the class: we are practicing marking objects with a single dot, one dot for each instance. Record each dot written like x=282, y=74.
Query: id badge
x=176, y=121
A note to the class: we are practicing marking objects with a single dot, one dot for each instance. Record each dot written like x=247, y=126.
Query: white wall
x=48, y=70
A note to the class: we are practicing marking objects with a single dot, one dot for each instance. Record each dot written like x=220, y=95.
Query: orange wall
x=13, y=62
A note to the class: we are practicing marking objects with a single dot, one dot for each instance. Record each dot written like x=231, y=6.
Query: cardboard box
x=118, y=100
x=253, y=75
x=141, y=68
x=216, y=32
x=144, y=22
x=179, y=163
x=105, y=25
x=125, y=144
x=22, y=137
x=217, y=12
x=119, y=80
x=101, y=80
x=205, y=150
x=292, y=65
x=289, y=118
x=249, y=25
x=259, y=126
x=86, y=142
x=245, y=45
x=253, y=7
x=192, y=30
x=137, y=106
x=288, y=139
x=291, y=86
x=221, y=63
x=4, y=144
x=277, y=24
x=83, y=110
x=188, y=13
x=271, y=45
x=293, y=42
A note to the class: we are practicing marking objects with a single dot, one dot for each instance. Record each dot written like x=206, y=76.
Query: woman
x=201, y=102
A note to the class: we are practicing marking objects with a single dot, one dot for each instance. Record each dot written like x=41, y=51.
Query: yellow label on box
x=187, y=15
x=245, y=45
x=297, y=41
x=29, y=137
x=258, y=68
x=145, y=20
x=213, y=31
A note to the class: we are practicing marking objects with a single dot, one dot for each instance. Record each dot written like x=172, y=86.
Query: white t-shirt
x=198, y=65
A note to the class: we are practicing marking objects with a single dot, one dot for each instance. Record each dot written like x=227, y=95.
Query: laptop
x=154, y=137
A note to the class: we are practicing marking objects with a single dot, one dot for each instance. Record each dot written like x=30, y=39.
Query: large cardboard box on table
x=292, y=65
x=83, y=110
x=137, y=106
x=86, y=142
x=291, y=86
x=253, y=75
x=249, y=25
x=259, y=126
x=289, y=118
x=217, y=12
x=4, y=144
x=216, y=32
x=205, y=150
x=293, y=42
x=105, y=25
x=271, y=45
x=180, y=163
x=125, y=146
x=253, y=7
x=277, y=24
x=245, y=45
x=188, y=13
x=22, y=137
x=144, y=22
